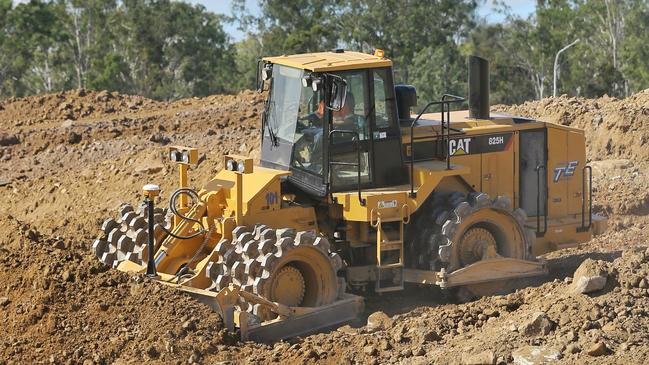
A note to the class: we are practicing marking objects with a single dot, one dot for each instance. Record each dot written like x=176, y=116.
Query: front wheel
x=293, y=268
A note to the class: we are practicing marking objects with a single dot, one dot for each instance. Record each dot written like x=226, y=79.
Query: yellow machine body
x=494, y=173
x=477, y=200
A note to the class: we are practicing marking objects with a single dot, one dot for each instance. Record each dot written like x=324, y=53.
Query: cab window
x=354, y=117
x=384, y=103
x=308, y=139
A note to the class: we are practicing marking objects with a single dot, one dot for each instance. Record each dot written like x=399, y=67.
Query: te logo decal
x=566, y=171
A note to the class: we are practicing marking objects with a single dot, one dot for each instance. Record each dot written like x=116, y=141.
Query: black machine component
x=584, y=227
x=406, y=98
x=478, y=88
x=150, y=267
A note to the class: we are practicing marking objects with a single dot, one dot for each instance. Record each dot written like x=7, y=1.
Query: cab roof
x=330, y=61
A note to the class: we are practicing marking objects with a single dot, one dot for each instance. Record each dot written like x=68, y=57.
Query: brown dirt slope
x=68, y=160
x=616, y=128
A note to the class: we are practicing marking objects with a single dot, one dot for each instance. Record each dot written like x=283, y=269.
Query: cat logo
x=459, y=146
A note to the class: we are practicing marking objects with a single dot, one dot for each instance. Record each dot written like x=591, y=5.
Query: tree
x=86, y=23
x=168, y=49
x=406, y=33
x=33, y=41
x=411, y=29
x=299, y=26
x=436, y=71
x=633, y=49
x=529, y=46
x=510, y=83
x=248, y=52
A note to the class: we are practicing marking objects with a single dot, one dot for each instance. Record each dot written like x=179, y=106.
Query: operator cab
x=329, y=118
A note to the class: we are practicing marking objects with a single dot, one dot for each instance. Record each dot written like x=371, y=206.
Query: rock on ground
x=8, y=139
x=589, y=277
x=532, y=355
x=483, y=358
x=597, y=349
x=378, y=321
x=537, y=324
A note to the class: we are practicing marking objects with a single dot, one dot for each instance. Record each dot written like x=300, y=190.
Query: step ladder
x=385, y=244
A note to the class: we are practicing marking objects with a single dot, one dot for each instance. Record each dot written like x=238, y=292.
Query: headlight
x=183, y=155
x=306, y=81
x=230, y=165
x=241, y=167
x=315, y=84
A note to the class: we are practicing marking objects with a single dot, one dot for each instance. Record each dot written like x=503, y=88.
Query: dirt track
x=68, y=160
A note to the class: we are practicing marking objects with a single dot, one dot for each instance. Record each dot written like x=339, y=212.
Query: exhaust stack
x=478, y=88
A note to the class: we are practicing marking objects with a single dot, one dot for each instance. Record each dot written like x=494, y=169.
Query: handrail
x=361, y=200
x=374, y=223
x=443, y=102
x=538, y=203
x=585, y=227
x=405, y=214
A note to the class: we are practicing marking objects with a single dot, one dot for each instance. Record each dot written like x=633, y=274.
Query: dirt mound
x=64, y=177
x=70, y=105
x=605, y=327
x=59, y=304
x=615, y=128
x=216, y=125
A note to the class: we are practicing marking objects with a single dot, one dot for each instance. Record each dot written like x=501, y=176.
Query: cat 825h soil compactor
x=354, y=193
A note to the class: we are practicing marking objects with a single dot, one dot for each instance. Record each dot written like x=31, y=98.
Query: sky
x=522, y=8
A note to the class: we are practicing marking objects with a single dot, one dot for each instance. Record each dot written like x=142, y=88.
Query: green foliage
x=248, y=52
x=157, y=48
x=169, y=49
x=298, y=26
x=421, y=37
x=610, y=58
x=634, y=50
x=108, y=73
x=437, y=71
x=33, y=59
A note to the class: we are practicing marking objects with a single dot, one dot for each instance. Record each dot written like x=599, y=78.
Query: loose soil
x=68, y=160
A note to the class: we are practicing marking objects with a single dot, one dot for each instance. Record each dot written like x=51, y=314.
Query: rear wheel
x=462, y=230
x=481, y=229
x=476, y=244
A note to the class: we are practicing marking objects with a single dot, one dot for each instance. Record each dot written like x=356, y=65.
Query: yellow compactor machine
x=354, y=193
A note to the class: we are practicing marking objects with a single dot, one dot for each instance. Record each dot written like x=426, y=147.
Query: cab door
x=350, y=133
x=386, y=134
x=370, y=114
x=533, y=172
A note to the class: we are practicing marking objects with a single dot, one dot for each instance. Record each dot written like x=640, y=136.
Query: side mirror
x=337, y=93
x=264, y=72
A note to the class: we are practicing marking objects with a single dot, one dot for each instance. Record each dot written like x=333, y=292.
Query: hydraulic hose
x=172, y=207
